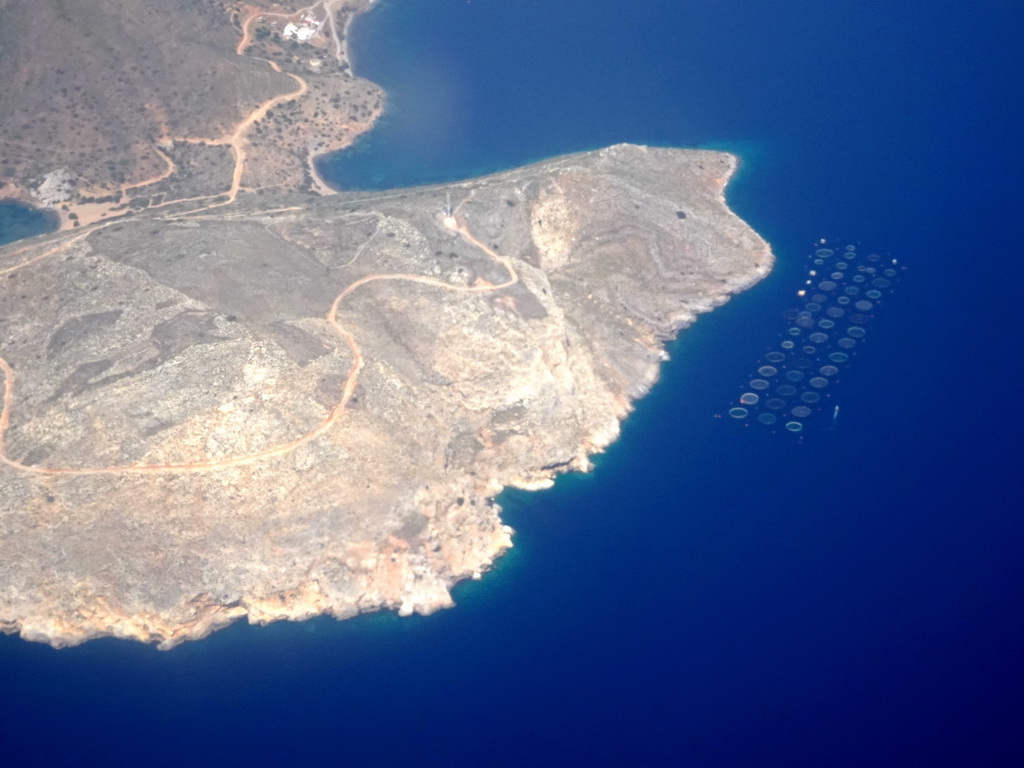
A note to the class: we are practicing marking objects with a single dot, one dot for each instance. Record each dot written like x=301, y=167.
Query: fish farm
x=794, y=384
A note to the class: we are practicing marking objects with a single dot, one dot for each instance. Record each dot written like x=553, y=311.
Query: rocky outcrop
x=309, y=407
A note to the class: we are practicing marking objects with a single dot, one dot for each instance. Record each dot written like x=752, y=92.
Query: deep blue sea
x=712, y=595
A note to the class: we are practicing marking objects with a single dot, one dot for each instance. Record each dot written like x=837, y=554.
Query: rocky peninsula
x=295, y=406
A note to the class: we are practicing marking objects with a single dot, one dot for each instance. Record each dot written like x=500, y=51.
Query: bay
x=19, y=221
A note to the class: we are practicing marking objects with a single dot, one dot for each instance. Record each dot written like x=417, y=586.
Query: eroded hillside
x=307, y=405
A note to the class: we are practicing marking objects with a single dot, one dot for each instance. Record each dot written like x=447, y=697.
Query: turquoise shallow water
x=710, y=595
x=18, y=221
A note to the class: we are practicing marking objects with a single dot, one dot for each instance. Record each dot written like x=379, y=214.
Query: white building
x=303, y=33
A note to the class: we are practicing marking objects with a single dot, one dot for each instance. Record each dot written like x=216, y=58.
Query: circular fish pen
x=840, y=296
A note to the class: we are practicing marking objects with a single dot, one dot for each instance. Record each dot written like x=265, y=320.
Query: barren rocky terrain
x=307, y=405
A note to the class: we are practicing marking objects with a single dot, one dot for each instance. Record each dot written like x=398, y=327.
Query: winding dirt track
x=333, y=415
x=45, y=254
x=169, y=171
x=236, y=140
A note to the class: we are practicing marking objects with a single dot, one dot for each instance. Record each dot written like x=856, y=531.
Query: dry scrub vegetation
x=110, y=106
